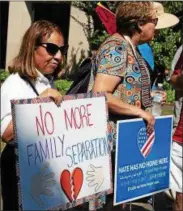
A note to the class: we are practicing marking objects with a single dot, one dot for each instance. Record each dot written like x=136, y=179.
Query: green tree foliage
x=3, y=76
x=94, y=29
x=62, y=85
x=167, y=40
x=165, y=43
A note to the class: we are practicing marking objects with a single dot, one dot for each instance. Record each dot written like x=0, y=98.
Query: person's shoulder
x=12, y=78
x=12, y=82
x=115, y=40
x=113, y=44
x=180, y=49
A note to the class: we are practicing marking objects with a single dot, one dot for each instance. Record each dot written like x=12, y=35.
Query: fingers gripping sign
x=53, y=94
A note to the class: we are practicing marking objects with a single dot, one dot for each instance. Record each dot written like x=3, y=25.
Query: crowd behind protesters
x=118, y=70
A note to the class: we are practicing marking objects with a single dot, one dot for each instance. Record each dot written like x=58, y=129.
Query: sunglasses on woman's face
x=52, y=49
x=153, y=20
x=150, y=20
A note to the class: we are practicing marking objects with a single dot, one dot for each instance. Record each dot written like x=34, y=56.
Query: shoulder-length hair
x=128, y=15
x=23, y=63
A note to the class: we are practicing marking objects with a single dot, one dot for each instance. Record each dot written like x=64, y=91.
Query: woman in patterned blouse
x=120, y=71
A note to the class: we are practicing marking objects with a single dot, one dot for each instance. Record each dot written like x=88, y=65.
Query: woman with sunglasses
x=120, y=71
x=41, y=53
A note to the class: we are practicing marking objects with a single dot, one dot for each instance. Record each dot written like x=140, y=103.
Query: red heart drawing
x=71, y=183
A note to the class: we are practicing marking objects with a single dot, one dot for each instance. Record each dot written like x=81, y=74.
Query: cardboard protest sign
x=142, y=159
x=63, y=152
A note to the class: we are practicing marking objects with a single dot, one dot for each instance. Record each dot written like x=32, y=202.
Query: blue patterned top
x=116, y=57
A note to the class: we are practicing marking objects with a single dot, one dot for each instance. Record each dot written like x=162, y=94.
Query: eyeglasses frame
x=59, y=48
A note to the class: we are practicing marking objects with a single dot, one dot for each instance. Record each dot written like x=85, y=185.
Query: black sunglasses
x=52, y=49
x=150, y=20
x=153, y=20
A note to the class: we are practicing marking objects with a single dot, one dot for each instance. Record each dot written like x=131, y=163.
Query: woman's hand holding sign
x=54, y=94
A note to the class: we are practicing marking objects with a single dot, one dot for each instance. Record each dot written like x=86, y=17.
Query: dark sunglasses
x=52, y=49
x=150, y=20
x=153, y=20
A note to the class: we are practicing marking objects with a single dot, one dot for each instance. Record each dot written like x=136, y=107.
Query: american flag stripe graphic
x=148, y=151
x=148, y=144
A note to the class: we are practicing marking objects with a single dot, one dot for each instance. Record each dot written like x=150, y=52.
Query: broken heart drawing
x=71, y=183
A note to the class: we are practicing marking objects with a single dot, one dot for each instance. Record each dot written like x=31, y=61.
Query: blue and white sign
x=142, y=159
x=63, y=154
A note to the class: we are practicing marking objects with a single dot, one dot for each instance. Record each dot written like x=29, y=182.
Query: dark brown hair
x=23, y=63
x=128, y=15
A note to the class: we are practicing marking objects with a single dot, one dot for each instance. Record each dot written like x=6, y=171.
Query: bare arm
x=107, y=83
x=8, y=134
x=177, y=81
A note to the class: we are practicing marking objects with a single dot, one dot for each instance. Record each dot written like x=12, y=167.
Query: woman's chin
x=142, y=42
x=49, y=71
x=146, y=40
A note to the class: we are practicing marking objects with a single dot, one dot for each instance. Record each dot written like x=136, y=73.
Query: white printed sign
x=63, y=154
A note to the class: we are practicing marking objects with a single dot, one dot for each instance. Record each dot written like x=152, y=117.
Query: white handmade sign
x=63, y=154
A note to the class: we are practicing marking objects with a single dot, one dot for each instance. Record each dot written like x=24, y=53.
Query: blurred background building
x=16, y=17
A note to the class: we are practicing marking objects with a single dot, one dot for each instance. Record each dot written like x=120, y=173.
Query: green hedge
x=3, y=75
x=170, y=92
x=63, y=86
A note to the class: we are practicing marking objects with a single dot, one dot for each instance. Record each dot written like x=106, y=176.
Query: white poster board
x=63, y=152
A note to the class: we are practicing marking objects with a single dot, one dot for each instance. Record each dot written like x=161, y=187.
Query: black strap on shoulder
x=30, y=83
